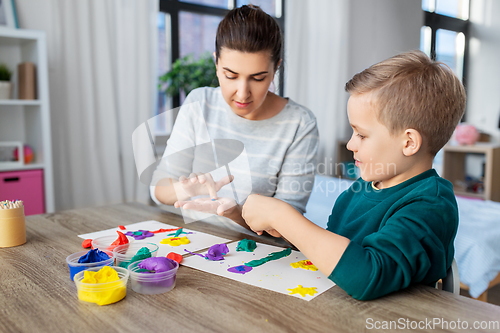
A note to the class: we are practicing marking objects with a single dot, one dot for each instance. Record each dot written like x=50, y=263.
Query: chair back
x=451, y=282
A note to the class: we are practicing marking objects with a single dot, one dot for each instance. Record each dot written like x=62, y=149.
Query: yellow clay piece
x=94, y=291
x=305, y=264
x=303, y=291
x=175, y=241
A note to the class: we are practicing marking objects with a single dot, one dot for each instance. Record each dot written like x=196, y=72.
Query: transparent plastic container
x=102, y=293
x=152, y=283
x=75, y=267
x=104, y=242
x=124, y=253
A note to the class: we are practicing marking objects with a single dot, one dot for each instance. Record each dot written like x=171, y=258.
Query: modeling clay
x=175, y=256
x=140, y=234
x=214, y=253
x=122, y=239
x=270, y=256
x=175, y=241
x=305, y=264
x=143, y=253
x=303, y=291
x=114, y=290
x=164, y=230
x=121, y=227
x=246, y=245
x=178, y=232
x=157, y=264
x=217, y=252
x=93, y=256
x=87, y=243
x=242, y=269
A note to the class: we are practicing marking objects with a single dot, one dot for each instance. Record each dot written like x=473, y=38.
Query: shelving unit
x=28, y=121
x=454, y=168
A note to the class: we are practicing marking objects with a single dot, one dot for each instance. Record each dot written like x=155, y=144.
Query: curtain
x=316, y=48
x=102, y=77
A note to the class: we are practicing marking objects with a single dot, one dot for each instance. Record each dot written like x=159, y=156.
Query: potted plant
x=5, y=84
x=187, y=74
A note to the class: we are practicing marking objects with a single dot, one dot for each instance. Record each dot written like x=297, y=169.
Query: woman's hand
x=201, y=184
x=221, y=206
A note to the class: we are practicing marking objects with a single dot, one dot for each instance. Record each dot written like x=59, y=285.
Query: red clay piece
x=175, y=256
x=87, y=243
x=122, y=227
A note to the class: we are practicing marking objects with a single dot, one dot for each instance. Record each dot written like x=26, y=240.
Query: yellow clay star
x=303, y=291
x=175, y=241
x=305, y=264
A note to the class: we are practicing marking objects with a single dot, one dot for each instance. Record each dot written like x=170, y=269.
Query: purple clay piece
x=242, y=269
x=217, y=252
x=156, y=264
x=197, y=254
x=139, y=234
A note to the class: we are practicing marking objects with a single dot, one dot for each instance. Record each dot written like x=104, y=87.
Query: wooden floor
x=493, y=294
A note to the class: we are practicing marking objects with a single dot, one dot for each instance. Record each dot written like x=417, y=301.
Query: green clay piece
x=143, y=253
x=246, y=245
x=178, y=232
x=138, y=233
x=270, y=257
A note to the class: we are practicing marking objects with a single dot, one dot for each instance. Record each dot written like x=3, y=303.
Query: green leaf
x=187, y=74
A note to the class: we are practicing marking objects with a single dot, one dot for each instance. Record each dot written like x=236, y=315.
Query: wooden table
x=37, y=295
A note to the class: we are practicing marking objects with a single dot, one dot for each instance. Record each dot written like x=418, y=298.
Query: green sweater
x=399, y=236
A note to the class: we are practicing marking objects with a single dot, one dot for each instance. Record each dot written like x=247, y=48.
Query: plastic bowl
x=152, y=283
x=124, y=253
x=75, y=267
x=102, y=293
x=104, y=243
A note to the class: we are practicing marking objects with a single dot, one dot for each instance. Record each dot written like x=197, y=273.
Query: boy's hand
x=221, y=206
x=260, y=213
x=201, y=184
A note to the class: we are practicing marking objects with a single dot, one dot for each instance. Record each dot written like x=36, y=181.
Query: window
x=188, y=27
x=445, y=36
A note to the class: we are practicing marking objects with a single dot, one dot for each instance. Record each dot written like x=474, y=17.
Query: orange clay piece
x=87, y=243
x=175, y=256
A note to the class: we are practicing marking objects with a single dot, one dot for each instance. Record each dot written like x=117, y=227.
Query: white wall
x=380, y=29
x=483, y=82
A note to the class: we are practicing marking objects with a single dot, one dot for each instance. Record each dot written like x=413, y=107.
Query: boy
x=394, y=226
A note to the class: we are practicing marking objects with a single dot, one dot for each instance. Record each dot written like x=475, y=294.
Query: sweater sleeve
x=296, y=177
x=415, y=245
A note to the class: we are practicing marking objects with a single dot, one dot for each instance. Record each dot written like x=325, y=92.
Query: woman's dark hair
x=249, y=29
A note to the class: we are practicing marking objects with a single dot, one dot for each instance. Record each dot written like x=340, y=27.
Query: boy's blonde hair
x=412, y=91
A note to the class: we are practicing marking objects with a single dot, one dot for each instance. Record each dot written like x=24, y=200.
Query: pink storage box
x=26, y=186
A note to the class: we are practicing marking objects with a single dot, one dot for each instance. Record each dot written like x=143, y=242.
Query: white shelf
x=32, y=166
x=19, y=102
x=28, y=121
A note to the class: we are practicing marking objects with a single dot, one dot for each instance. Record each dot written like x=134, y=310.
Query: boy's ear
x=412, y=142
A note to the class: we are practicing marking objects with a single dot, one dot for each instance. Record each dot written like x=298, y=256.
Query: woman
x=279, y=137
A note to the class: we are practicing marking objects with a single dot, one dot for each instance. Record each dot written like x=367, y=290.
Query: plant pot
x=5, y=89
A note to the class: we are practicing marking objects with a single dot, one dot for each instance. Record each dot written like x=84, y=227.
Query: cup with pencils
x=12, y=224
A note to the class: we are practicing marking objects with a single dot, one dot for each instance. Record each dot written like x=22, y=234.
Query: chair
x=451, y=282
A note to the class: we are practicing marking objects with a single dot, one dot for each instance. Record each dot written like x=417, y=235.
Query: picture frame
x=7, y=154
x=8, y=15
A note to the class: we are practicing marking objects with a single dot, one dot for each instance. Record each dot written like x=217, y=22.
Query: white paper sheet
x=276, y=275
x=198, y=240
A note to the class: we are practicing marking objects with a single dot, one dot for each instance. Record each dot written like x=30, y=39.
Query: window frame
x=438, y=21
x=174, y=7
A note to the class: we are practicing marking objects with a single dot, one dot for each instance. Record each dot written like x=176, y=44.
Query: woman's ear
x=412, y=142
